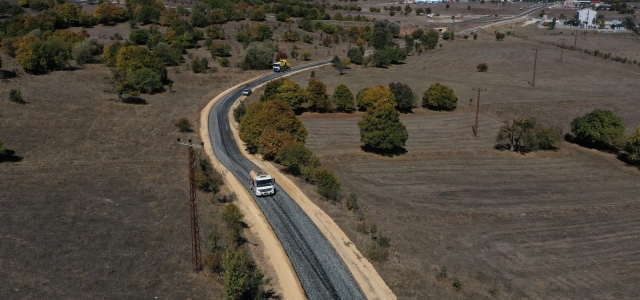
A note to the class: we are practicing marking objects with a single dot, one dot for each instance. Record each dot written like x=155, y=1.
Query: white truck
x=261, y=183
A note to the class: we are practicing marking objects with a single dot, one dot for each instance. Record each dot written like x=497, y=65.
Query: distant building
x=586, y=16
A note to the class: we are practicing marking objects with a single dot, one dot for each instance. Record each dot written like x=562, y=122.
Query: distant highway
x=320, y=269
x=489, y=23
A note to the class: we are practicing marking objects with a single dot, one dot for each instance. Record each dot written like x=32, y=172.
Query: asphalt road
x=321, y=271
x=491, y=21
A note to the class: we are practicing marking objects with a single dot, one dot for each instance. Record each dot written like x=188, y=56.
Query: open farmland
x=561, y=225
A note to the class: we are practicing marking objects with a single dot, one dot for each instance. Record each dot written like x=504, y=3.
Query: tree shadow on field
x=135, y=101
x=600, y=147
x=388, y=153
x=626, y=158
x=10, y=156
x=4, y=74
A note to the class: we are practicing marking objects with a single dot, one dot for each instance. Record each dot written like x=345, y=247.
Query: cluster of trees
x=134, y=69
x=228, y=258
x=420, y=40
x=526, y=135
x=386, y=52
x=271, y=128
x=39, y=52
x=599, y=129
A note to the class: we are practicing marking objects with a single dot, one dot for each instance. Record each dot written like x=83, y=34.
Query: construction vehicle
x=261, y=183
x=281, y=65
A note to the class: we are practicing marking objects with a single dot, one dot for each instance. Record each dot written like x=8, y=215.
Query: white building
x=586, y=16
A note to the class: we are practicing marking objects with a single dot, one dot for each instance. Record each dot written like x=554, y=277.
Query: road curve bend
x=320, y=269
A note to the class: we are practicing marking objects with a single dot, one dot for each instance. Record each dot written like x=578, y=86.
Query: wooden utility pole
x=535, y=61
x=575, y=40
x=562, y=49
x=195, y=228
x=475, y=128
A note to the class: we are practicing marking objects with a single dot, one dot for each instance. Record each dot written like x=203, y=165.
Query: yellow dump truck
x=281, y=66
x=261, y=183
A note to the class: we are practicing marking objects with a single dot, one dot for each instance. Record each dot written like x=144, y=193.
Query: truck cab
x=262, y=184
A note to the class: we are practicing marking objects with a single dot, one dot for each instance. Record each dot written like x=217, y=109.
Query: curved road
x=321, y=271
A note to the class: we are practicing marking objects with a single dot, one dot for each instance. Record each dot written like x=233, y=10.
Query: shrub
x=259, y=56
x=600, y=129
x=298, y=160
x=457, y=284
x=442, y=273
x=139, y=36
x=327, y=183
x=220, y=50
x=224, y=62
x=439, y=97
x=306, y=55
x=483, y=67
x=239, y=111
x=183, y=125
x=307, y=39
x=207, y=178
x=632, y=146
x=199, y=65
x=526, y=135
x=16, y=96
x=232, y=216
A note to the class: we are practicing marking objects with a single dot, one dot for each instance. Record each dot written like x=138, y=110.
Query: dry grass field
x=549, y=225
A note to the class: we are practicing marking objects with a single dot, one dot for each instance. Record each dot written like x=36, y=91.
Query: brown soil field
x=547, y=225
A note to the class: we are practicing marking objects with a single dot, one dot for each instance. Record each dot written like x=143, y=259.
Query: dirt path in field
x=285, y=281
x=362, y=270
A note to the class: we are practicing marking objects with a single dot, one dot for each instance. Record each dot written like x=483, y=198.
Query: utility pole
x=195, y=228
x=585, y=35
x=534, y=68
x=475, y=128
x=575, y=40
x=562, y=49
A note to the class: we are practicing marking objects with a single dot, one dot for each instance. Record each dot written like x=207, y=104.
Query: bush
x=224, y=62
x=259, y=56
x=183, y=125
x=439, y=97
x=239, y=111
x=139, y=36
x=457, y=284
x=526, y=135
x=298, y=160
x=207, y=178
x=632, y=146
x=220, y=50
x=306, y=55
x=16, y=96
x=327, y=183
x=600, y=129
x=232, y=216
x=199, y=65
x=307, y=39
x=483, y=67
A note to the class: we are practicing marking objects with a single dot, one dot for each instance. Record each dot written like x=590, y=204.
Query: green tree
x=271, y=89
x=381, y=129
x=337, y=64
x=439, y=97
x=258, y=14
x=139, y=36
x=318, y=97
x=356, y=55
x=430, y=39
x=107, y=13
x=259, y=56
x=633, y=145
x=267, y=126
x=327, y=183
x=168, y=55
x=368, y=97
x=526, y=135
x=381, y=58
x=343, y=99
x=84, y=52
x=232, y=216
x=405, y=99
x=601, y=129
x=297, y=160
x=293, y=94
x=306, y=55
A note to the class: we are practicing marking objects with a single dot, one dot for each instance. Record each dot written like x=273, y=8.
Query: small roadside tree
x=600, y=129
x=297, y=160
x=343, y=99
x=439, y=97
x=327, y=183
x=381, y=129
x=405, y=99
x=526, y=135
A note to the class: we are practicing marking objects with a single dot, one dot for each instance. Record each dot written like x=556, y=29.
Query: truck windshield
x=263, y=183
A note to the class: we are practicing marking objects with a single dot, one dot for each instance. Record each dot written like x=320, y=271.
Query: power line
x=195, y=228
